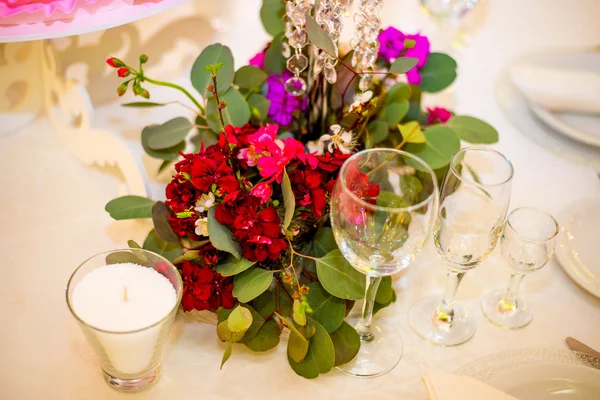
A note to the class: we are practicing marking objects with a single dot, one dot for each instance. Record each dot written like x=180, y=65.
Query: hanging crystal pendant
x=295, y=86
x=298, y=38
x=319, y=65
x=297, y=63
x=365, y=82
x=330, y=75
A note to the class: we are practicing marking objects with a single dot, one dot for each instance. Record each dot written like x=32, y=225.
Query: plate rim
x=560, y=126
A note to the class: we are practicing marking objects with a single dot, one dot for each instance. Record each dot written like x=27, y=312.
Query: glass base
x=377, y=356
x=516, y=318
x=421, y=317
x=135, y=384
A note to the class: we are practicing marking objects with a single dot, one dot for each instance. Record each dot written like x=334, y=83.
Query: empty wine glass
x=528, y=243
x=382, y=210
x=473, y=206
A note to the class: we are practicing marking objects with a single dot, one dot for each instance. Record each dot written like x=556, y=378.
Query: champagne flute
x=528, y=243
x=382, y=210
x=473, y=206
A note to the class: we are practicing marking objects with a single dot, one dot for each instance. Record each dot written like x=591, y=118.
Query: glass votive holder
x=125, y=302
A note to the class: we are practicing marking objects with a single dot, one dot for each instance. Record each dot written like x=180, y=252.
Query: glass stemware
x=382, y=210
x=474, y=202
x=528, y=243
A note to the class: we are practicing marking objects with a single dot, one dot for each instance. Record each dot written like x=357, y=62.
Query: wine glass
x=528, y=243
x=382, y=210
x=473, y=206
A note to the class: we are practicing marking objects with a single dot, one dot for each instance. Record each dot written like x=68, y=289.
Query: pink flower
x=264, y=136
x=438, y=114
x=249, y=155
x=272, y=165
x=263, y=191
x=258, y=60
x=392, y=44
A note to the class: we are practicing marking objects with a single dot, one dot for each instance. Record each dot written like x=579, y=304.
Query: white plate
x=539, y=374
x=577, y=250
x=585, y=128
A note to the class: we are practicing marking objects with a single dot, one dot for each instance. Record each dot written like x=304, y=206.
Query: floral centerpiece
x=246, y=213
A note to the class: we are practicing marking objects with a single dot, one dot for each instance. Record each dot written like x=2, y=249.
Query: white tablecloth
x=52, y=218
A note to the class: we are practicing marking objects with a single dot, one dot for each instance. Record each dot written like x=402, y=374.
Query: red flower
x=263, y=191
x=205, y=289
x=309, y=189
x=332, y=162
x=438, y=114
x=114, y=62
x=259, y=248
x=123, y=72
x=181, y=196
x=358, y=184
x=234, y=204
x=272, y=165
x=211, y=168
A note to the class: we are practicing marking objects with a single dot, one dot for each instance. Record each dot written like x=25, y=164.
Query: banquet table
x=53, y=218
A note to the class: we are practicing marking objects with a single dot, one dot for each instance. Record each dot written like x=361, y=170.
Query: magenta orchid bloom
x=438, y=114
x=392, y=45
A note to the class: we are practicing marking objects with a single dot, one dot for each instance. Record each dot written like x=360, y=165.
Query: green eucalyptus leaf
x=232, y=266
x=133, y=244
x=440, y=145
x=239, y=320
x=236, y=112
x=251, y=283
x=266, y=338
x=320, y=357
x=339, y=278
x=220, y=236
x=201, y=78
x=164, y=165
x=143, y=104
x=285, y=301
x=249, y=77
x=438, y=73
x=380, y=306
x=121, y=257
x=398, y=93
x=257, y=323
x=378, y=130
x=346, y=343
x=403, y=64
x=130, y=207
x=274, y=60
x=206, y=136
x=473, y=130
x=169, y=134
x=299, y=313
x=289, y=200
x=411, y=132
x=189, y=255
x=266, y=303
x=324, y=242
x=328, y=310
x=226, y=354
x=318, y=37
x=261, y=104
x=154, y=243
x=393, y=113
x=297, y=347
x=271, y=16
x=226, y=335
x=411, y=188
x=166, y=154
x=384, y=291
x=160, y=215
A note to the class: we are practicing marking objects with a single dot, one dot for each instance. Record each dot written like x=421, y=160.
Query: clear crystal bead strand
x=329, y=16
x=364, y=43
x=297, y=39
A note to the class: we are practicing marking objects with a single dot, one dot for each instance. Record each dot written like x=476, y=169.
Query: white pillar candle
x=123, y=298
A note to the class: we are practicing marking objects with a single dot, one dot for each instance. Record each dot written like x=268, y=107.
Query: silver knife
x=576, y=345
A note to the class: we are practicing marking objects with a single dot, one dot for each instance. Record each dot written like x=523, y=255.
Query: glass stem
x=363, y=327
x=509, y=302
x=445, y=311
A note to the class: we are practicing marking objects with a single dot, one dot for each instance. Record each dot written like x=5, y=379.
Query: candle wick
x=125, y=293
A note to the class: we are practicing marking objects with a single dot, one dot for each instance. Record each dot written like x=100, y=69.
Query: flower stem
x=174, y=86
x=216, y=94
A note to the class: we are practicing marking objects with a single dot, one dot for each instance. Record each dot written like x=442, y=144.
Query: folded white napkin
x=558, y=89
x=460, y=387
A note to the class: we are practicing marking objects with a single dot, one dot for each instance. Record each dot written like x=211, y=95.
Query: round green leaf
x=143, y=104
x=260, y=104
x=201, y=79
x=266, y=338
x=160, y=215
x=339, y=278
x=385, y=290
x=266, y=303
x=236, y=112
x=411, y=132
x=393, y=113
x=289, y=201
x=130, y=207
x=189, y=255
x=257, y=323
x=324, y=241
x=239, y=319
x=403, y=64
x=154, y=243
x=438, y=73
x=328, y=310
x=166, y=154
x=380, y=306
x=378, y=130
x=249, y=77
x=318, y=37
x=271, y=16
x=398, y=93
x=346, y=343
x=274, y=60
x=232, y=266
x=251, y=283
x=320, y=357
x=440, y=145
x=473, y=130
x=297, y=347
x=220, y=236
